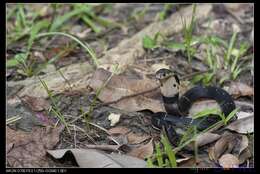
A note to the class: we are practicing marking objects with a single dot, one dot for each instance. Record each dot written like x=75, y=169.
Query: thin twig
x=103, y=129
x=82, y=130
x=193, y=74
x=75, y=137
x=103, y=147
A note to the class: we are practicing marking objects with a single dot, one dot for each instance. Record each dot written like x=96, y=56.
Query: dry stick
x=193, y=74
x=128, y=96
x=103, y=147
x=82, y=130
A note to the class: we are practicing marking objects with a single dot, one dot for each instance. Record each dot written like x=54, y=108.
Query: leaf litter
x=124, y=86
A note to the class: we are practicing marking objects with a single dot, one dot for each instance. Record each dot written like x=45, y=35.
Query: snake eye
x=174, y=85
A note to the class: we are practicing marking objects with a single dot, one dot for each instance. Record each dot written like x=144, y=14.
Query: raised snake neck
x=177, y=108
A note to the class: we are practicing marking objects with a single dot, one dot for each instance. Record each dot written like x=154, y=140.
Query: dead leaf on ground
x=90, y=158
x=228, y=161
x=235, y=143
x=118, y=130
x=237, y=89
x=238, y=10
x=134, y=138
x=123, y=85
x=243, y=126
x=202, y=161
x=206, y=138
x=157, y=66
x=142, y=151
x=224, y=144
x=36, y=103
x=242, y=114
x=28, y=149
x=245, y=155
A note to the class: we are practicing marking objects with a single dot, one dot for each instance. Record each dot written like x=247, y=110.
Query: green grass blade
x=60, y=20
x=230, y=47
x=170, y=153
x=159, y=155
x=149, y=163
x=85, y=46
x=91, y=24
x=206, y=112
x=231, y=115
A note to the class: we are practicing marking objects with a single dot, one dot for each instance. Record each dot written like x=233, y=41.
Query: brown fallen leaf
x=124, y=85
x=246, y=154
x=243, y=126
x=242, y=114
x=238, y=10
x=142, y=151
x=202, y=161
x=228, y=161
x=237, y=89
x=118, y=130
x=241, y=149
x=36, y=103
x=134, y=138
x=90, y=158
x=28, y=149
x=206, y=138
x=224, y=144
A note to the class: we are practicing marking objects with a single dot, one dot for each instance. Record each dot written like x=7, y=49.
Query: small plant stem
x=85, y=46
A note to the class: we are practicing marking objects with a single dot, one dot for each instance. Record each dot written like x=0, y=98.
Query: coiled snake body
x=177, y=107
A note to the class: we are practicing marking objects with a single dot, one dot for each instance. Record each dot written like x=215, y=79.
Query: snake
x=177, y=107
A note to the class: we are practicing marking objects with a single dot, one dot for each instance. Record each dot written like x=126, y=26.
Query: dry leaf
x=244, y=156
x=202, y=161
x=90, y=158
x=228, y=161
x=211, y=153
x=224, y=144
x=28, y=149
x=36, y=103
x=134, y=138
x=243, y=144
x=206, y=138
x=238, y=10
x=124, y=85
x=118, y=130
x=237, y=89
x=113, y=118
x=243, y=126
x=157, y=66
x=142, y=151
x=242, y=114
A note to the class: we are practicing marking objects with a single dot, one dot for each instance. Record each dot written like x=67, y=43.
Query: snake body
x=177, y=108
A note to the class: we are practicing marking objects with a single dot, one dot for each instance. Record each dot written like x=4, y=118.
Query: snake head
x=164, y=74
x=169, y=82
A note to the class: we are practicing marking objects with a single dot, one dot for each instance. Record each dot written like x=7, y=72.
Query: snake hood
x=169, y=82
x=179, y=105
